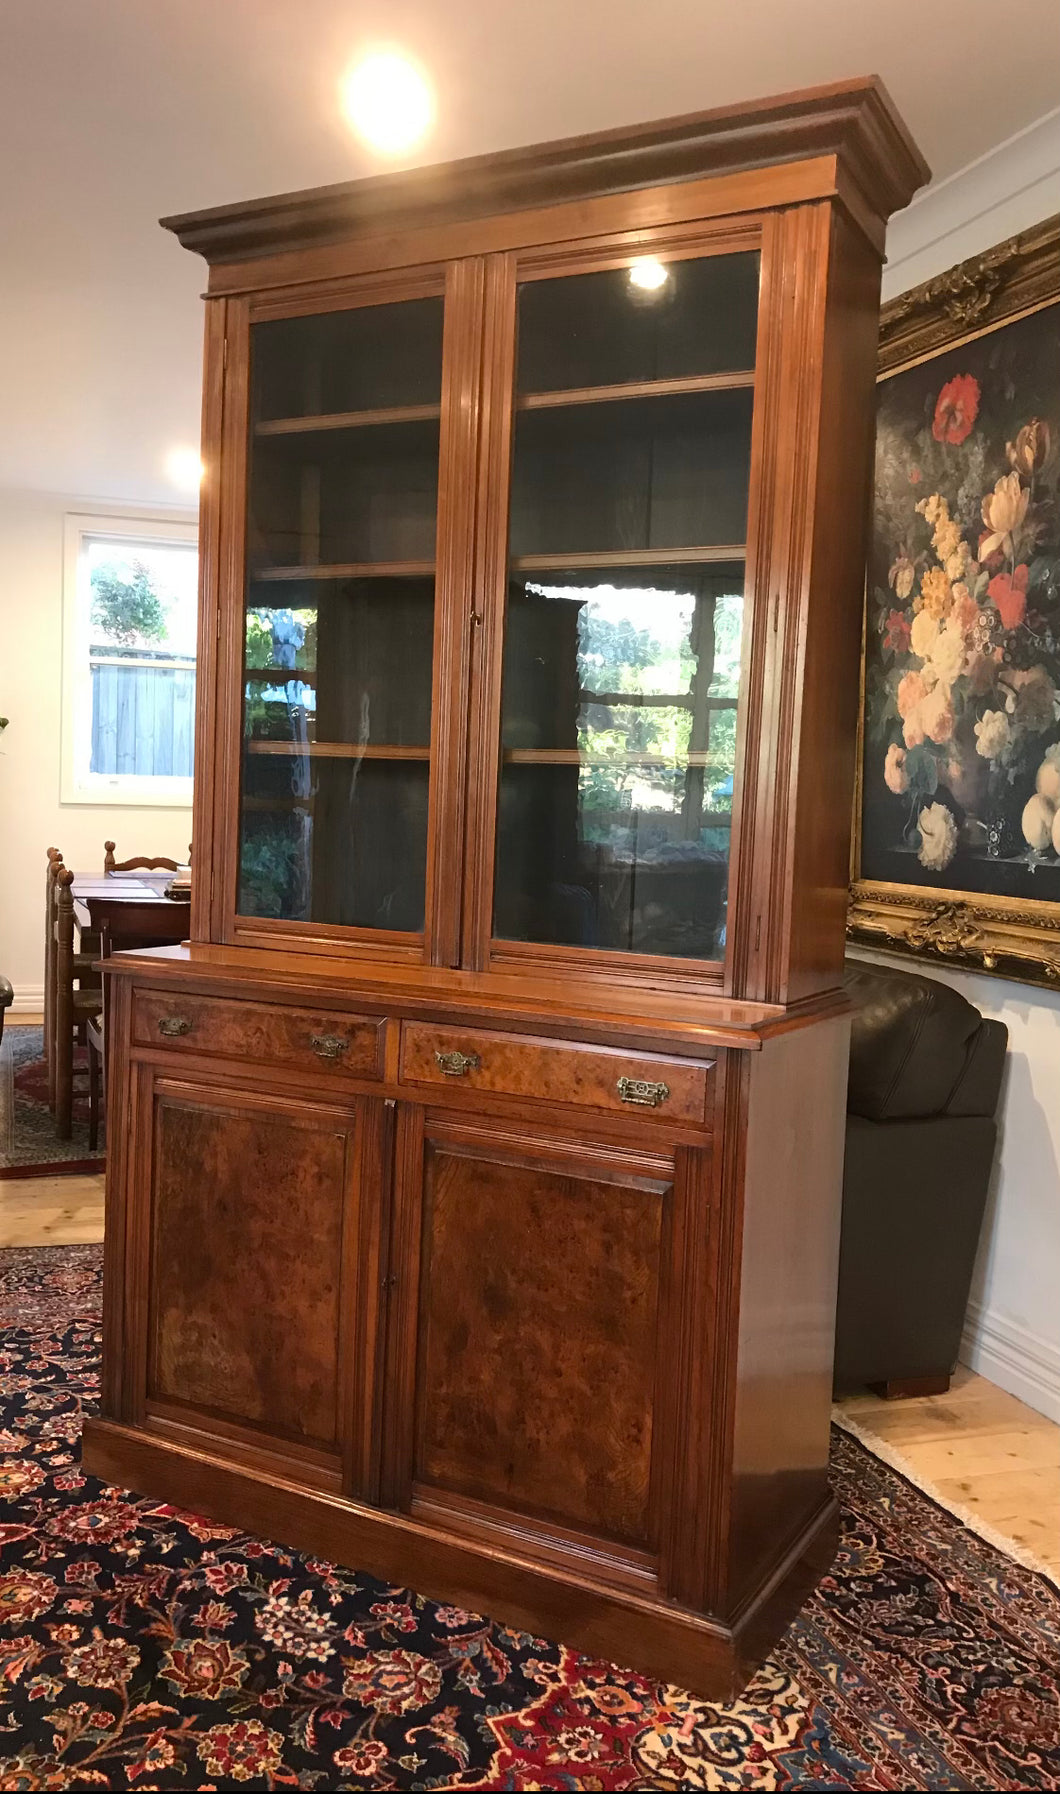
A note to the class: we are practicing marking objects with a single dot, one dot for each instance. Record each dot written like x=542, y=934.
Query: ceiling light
x=648, y=274
x=185, y=468
x=388, y=102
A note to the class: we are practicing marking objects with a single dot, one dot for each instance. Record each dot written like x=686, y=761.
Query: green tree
x=127, y=610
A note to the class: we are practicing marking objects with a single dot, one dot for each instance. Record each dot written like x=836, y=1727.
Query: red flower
x=1008, y=594
x=897, y=631
x=956, y=410
x=243, y=1751
x=204, y=1668
x=914, y=476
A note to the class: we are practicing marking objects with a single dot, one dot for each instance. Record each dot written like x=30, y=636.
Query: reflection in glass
x=618, y=759
x=600, y=330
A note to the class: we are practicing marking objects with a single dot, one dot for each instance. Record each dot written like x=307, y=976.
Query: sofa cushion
x=918, y=1048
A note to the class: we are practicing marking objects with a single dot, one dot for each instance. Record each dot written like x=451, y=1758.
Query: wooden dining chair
x=85, y=954
x=74, y=1006
x=137, y=864
x=55, y=860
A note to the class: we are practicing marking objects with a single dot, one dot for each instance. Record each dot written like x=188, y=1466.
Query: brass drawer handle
x=640, y=1091
x=171, y=1025
x=457, y=1065
x=328, y=1046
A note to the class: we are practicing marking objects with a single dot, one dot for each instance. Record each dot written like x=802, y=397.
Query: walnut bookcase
x=472, y=1207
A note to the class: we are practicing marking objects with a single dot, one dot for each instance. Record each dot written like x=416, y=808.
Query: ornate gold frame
x=1009, y=936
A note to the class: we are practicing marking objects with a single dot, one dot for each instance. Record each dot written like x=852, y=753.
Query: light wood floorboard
x=51, y=1211
x=981, y=1449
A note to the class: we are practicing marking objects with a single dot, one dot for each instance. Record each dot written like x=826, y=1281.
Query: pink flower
x=911, y=692
x=936, y=714
x=1008, y=593
x=956, y=410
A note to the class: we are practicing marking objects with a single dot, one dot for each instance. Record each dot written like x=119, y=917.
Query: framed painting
x=956, y=847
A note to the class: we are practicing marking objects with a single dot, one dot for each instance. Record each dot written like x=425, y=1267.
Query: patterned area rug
x=144, y=1647
x=32, y=1147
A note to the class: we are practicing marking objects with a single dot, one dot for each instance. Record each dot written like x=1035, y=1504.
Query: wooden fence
x=143, y=717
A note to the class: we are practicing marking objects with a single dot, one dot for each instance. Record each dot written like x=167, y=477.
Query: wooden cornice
x=855, y=121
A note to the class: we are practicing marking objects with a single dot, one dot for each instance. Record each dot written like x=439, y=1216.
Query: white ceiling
x=115, y=112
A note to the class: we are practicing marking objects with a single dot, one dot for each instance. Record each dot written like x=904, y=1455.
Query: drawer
x=557, y=1071
x=304, y=1039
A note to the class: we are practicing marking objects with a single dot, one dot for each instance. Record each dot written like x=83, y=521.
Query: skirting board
x=1015, y=1358
x=29, y=1000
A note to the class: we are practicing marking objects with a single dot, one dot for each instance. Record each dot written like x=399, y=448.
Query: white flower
x=938, y=837
x=992, y=734
x=1038, y=817
x=923, y=633
x=1048, y=780
x=947, y=653
x=895, y=776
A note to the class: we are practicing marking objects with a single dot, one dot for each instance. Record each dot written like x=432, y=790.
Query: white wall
x=31, y=817
x=1012, y=1333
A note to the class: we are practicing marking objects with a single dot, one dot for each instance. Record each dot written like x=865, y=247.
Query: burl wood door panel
x=248, y=1206
x=539, y=1316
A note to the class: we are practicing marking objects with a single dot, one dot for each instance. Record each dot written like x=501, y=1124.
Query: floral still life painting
x=961, y=767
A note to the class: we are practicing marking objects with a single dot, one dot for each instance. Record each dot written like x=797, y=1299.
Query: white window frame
x=78, y=786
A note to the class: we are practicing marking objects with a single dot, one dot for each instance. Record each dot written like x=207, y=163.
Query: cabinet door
x=357, y=511
x=259, y=1254
x=528, y=1392
x=614, y=719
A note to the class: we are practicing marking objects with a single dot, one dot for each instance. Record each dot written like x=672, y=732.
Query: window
x=129, y=623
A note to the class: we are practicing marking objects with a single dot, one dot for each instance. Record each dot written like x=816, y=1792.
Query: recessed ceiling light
x=648, y=273
x=185, y=468
x=388, y=102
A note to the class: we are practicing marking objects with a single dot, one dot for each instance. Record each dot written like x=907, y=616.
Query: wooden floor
x=977, y=1446
x=981, y=1449
x=51, y=1211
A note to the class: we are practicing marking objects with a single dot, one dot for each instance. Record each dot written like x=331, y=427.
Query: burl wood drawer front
x=556, y=1071
x=306, y=1039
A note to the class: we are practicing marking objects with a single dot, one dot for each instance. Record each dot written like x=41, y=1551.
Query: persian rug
x=34, y=1148
x=146, y=1647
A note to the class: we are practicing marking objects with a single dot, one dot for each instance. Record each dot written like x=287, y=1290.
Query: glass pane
x=618, y=758
x=338, y=496
x=669, y=472
x=603, y=329
x=362, y=360
x=337, y=697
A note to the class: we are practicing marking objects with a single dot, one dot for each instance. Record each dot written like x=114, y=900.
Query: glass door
x=342, y=498
x=622, y=649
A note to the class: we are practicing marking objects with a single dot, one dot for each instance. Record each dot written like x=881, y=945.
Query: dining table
x=130, y=910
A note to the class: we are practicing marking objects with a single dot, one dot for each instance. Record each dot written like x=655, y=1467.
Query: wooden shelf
x=634, y=389
x=348, y=570
x=637, y=700
x=348, y=420
x=629, y=557
x=336, y=750
x=575, y=757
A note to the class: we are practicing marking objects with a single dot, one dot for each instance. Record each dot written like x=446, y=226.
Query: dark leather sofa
x=925, y=1077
